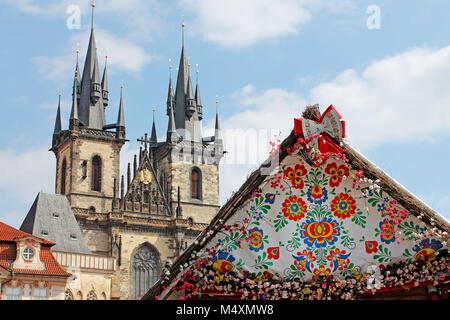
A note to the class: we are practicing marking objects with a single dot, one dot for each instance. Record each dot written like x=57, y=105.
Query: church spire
x=121, y=116
x=120, y=125
x=58, y=126
x=170, y=95
x=74, y=120
x=153, y=138
x=198, y=100
x=105, y=85
x=218, y=141
x=91, y=108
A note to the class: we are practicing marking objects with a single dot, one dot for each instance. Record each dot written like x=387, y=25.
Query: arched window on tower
x=96, y=182
x=144, y=270
x=63, y=176
x=196, y=183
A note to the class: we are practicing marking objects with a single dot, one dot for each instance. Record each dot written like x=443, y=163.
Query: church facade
x=146, y=217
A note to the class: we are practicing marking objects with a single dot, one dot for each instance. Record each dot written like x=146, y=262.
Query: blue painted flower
x=258, y=216
x=317, y=194
x=270, y=198
x=381, y=207
x=256, y=239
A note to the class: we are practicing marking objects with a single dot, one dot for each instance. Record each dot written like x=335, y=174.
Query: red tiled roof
x=8, y=253
x=8, y=233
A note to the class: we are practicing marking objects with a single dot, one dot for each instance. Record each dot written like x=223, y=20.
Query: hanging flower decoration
x=294, y=208
x=343, y=206
x=294, y=175
x=336, y=173
x=320, y=233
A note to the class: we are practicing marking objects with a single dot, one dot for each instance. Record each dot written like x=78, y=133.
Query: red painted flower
x=336, y=173
x=339, y=259
x=274, y=252
x=371, y=246
x=322, y=272
x=295, y=175
x=343, y=205
x=294, y=208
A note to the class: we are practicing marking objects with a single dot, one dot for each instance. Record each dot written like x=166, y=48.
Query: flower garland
x=204, y=280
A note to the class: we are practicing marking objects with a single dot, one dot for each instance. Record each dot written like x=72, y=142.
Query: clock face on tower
x=146, y=176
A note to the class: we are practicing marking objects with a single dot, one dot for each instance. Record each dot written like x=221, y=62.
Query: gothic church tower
x=88, y=153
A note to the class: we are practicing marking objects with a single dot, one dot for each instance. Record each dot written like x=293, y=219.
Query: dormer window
x=73, y=236
x=28, y=253
x=55, y=215
x=44, y=232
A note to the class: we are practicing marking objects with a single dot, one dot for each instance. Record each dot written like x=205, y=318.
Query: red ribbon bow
x=329, y=125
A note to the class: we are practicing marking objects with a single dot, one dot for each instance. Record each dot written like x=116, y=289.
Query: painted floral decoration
x=273, y=253
x=222, y=262
x=343, y=206
x=426, y=249
x=321, y=272
x=339, y=259
x=387, y=234
x=316, y=194
x=256, y=239
x=294, y=208
x=336, y=173
x=371, y=246
x=295, y=175
x=269, y=198
x=320, y=234
x=304, y=260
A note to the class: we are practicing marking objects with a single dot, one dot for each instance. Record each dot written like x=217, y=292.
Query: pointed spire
x=217, y=131
x=170, y=94
x=198, y=100
x=121, y=116
x=73, y=121
x=58, y=126
x=105, y=84
x=153, y=138
x=172, y=135
x=91, y=108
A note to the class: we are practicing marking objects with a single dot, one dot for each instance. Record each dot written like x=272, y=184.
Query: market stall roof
x=357, y=161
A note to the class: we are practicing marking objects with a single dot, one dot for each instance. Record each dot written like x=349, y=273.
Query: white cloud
x=26, y=174
x=142, y=18
x=396, y=99
x=242, y=23
x=123, y=55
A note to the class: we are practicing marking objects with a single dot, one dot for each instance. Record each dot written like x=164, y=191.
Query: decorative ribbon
x=329, y=125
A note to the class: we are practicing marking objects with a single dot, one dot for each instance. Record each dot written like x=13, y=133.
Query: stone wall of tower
x=179, y=174
x=79, y=153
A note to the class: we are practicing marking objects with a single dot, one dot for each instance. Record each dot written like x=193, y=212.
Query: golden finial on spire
x=121, y=85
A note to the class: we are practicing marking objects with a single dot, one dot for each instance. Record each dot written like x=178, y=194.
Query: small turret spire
x=58, y=126
x=198, y=100
x=153, y=138
x=170, y=94
x=105, y=84
x=121, y=117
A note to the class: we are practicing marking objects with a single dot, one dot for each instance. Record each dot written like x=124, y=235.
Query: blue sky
x=266, y=60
